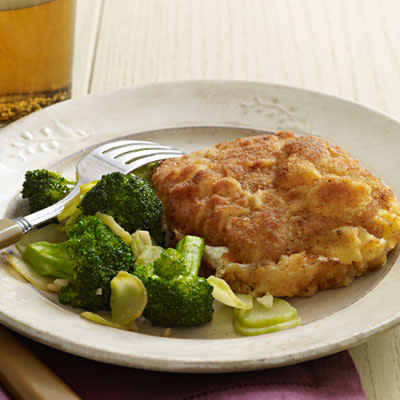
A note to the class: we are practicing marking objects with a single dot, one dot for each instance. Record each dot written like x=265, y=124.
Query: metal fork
x=120, y=156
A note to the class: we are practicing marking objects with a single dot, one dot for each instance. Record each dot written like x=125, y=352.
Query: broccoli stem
x=50, y=259
x=192, y=248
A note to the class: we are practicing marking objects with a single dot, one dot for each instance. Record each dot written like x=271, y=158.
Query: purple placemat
x=3, y=394
x=332, y=377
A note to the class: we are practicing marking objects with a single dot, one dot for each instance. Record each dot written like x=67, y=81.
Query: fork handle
x=10, y=232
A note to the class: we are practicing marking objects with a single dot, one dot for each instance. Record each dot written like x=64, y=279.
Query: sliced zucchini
x=259, y=316
x=128, y=298
x=247, y=331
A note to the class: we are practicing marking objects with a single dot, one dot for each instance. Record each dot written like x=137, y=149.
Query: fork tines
x=133, y=153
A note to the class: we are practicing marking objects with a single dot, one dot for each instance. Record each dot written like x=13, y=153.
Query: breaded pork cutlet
x=281, y=214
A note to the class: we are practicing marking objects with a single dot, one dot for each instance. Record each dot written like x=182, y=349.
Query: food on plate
x=259, y=315
x=280, y=214
x=98, y=319
x=177, y=296
x=95, y=265
x=247, y=331
x=117, y=229
x=89, y=259
x=71, y=207
x=24, y=269
x=275, y=215
x=129, y=199
x=224, y=294
x=128, y=298
x=98, y=248
x=43, y=188
x=261, y=319
x=143, y=248
x=127, y=302
x=48, y=233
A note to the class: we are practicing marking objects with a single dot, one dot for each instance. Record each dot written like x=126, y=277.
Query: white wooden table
x=349, y=48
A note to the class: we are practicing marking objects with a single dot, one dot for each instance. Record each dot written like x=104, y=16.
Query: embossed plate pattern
x=57, y=136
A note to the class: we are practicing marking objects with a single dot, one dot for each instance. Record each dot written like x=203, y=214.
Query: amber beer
x=36, y=39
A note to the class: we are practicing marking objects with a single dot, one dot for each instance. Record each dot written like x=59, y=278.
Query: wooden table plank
x=340, y=47
x=346, y=48
x=88, y=14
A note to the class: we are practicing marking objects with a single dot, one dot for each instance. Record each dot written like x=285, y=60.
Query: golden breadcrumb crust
x=296, y=213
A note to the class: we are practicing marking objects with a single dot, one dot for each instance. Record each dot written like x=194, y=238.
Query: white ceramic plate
x=332, y=320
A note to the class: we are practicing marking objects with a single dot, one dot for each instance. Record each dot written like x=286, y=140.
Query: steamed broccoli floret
x=178, y=297
x=181, y=301
x=129, y=199
x=43, y=188
x=90, y=259
x=170, y=264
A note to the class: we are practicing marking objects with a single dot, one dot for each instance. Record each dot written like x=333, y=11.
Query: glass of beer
x=36, y=46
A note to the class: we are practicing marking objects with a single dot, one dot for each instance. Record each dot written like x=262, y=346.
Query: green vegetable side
x=128, y=298
x=129, y=199
x=177, y=296
x=43, y=188
x=90, y=259
x=100, y=255
x=260, y=319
